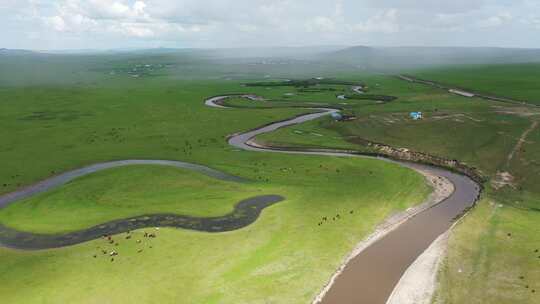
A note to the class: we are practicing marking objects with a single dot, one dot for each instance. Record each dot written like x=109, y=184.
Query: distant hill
x=274, y=52
x=223, y=53
x=383, y=59
x=411, y=57
x=4, y=51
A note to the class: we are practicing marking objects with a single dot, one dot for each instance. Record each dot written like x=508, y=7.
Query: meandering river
x=371, y=276
x=368, y=278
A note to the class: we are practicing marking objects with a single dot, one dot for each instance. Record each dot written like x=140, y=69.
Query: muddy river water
x=370, y=277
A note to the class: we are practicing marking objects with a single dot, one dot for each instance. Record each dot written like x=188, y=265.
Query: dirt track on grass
x=455, y=89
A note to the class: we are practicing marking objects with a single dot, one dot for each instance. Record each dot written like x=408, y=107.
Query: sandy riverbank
x=442, y=189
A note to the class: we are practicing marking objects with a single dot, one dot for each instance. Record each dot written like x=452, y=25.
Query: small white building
x=461, y=93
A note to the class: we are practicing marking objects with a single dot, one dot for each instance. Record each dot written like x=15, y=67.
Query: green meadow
x=100, y=112
x=76, y=111
x=126, y=192
x=484, y=264
x=517, y=81
x=492, y=257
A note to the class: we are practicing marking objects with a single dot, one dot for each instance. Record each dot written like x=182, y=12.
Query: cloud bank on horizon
x=94, y=24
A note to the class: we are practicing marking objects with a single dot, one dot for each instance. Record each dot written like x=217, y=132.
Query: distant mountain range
x=410, y=57
x=4, y=51
x=364, y=57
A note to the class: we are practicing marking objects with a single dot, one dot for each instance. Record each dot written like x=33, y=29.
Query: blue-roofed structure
x=416, y=115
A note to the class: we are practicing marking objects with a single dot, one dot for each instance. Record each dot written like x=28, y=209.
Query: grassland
x=92, y=115
x=126, y=192
x=518, y=81
x=284, y=246
x=484, y=263
x=492, y=257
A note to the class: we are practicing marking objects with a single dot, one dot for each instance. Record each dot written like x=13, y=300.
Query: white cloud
x=8, y=4
x=535, y=22
x=495, y=21
x=431, y=6
x=247, y=28
x=56, y=22
x=106, y=9
x=321, y=24
x=134, y=30
x=385, y=22
x=103, y=16
x=222, y=23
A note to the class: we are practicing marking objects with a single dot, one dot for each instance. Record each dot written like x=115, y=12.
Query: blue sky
x=104, y=24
